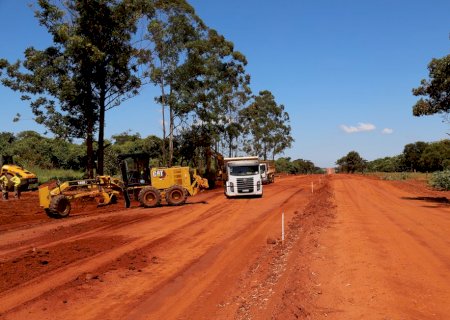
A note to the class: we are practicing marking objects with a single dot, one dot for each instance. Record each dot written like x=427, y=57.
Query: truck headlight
x=258, y=185
x=231, y=187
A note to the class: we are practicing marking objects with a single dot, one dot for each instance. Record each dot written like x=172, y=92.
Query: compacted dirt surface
x=354, y=247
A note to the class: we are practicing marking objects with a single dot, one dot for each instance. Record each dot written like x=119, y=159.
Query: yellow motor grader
x=148, y=186
x=151, y=186
x=56, y=202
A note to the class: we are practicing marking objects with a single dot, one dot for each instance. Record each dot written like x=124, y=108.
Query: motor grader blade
x=57, y=202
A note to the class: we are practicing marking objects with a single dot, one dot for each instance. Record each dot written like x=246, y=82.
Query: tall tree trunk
x=172, y=128
x=163, y=102
x=90, y=146
x=230, y=151
x=101, y=134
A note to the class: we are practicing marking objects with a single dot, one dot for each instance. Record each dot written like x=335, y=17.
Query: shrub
x=440, y=180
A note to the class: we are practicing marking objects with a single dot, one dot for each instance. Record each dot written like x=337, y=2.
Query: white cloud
x=387, y=131
x=361, y=127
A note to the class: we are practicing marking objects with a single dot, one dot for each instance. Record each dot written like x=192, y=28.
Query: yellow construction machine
x=56, y=202
x=28, y=180
x=148, y=186
x=151, y=186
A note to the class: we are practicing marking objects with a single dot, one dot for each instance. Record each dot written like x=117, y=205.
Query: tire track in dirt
x=388, y=254
x=38, y=286
x=79, y=226
x=183, y=237
x=401, y=213
x=229, y=275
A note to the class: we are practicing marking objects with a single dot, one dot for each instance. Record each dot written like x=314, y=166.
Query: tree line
x=30, y=150
x=107, y=51
x=416, y=157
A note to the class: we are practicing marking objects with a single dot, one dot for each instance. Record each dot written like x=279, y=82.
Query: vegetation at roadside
x=417, y=161
x=401, y=175
x=55, y=158
x=298, y=166
x=351, y=163
x=416, y=157
x=46, y=175
x=440, y=180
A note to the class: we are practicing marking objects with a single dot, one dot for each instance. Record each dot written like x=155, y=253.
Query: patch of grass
x=401, y=175
x=45, y=175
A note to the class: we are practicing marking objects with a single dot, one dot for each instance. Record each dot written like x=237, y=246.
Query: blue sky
x=344, y=70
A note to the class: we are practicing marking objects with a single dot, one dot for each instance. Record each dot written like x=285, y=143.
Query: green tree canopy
x=387, y=164
x=412, y=153
x=88, y=69
x=267, y=125
x=436, y=89
x=436, y=156
x=351, y=163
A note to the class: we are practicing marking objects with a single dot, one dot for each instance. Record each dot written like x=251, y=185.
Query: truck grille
x=245, y=185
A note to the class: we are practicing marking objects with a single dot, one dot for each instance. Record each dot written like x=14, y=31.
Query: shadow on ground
x=437, y=200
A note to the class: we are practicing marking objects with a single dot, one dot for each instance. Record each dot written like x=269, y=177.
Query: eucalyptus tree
x=267, y=126
x=168, y=34
x=89, y=68
x=218, y=89
x=200, y=75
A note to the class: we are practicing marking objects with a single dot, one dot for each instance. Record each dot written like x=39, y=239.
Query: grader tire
x=59, y=206
x=149, y=197
x=175, y=196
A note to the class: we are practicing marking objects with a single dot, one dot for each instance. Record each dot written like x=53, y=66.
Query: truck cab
x=267, y=168
x=243, y=177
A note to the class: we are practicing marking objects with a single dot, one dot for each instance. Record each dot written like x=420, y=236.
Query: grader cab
x=151, y=186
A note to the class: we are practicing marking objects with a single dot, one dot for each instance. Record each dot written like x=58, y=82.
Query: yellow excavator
x=29, y=180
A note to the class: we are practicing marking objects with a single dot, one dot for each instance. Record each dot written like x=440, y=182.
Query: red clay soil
x=354, y=248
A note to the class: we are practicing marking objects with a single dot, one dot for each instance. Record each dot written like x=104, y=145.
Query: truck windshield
x=244, y=170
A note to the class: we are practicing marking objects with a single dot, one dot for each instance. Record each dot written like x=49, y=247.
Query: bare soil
x=354, y=248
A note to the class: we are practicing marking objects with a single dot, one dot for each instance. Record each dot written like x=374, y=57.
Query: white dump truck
x=267, y=168
x=243, y=177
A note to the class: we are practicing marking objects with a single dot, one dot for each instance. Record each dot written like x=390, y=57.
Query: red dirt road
x=389, y=250
x=356, y=248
